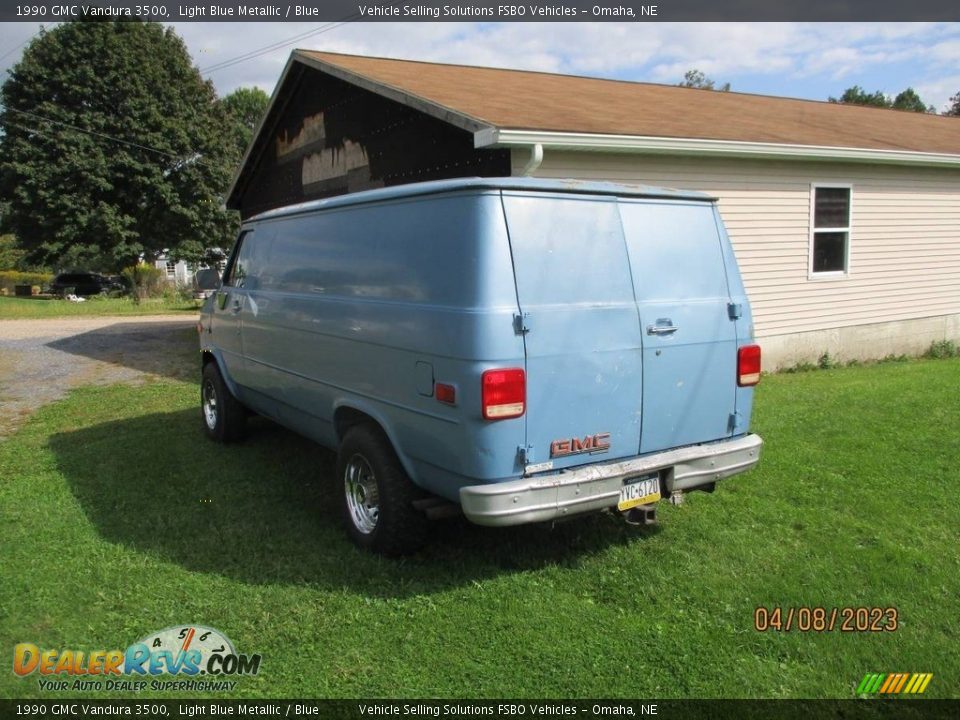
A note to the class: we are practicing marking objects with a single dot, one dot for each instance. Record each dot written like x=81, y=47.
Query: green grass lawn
x=31, y=308
x=119, y=518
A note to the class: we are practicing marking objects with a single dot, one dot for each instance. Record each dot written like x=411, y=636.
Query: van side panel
x=363, y=306
x=689, y=338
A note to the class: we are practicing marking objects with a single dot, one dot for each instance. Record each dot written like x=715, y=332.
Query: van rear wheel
x=377, y=495
x=224, y=418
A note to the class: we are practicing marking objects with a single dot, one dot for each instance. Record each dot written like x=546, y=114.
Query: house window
x=830, y=230
x=171, y=267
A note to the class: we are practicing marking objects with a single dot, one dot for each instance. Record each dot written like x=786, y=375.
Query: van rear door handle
x=663, y=327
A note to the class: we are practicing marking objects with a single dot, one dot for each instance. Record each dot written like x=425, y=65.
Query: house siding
x=902, y=290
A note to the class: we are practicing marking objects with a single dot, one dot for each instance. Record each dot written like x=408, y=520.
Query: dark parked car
x=83, y=283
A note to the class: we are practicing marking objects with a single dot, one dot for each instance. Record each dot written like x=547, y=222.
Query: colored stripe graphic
x=866, y=685
x=894, y=683
x=901, y=681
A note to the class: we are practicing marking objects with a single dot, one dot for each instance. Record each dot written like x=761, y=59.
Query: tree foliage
x=909, y=100
x=113, y=147
x=906, y=100
x=856, y=95
x=696, y=79
x=245, y=107
x=954, y=108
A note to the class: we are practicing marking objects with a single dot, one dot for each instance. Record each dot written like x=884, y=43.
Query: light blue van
x=522, y=350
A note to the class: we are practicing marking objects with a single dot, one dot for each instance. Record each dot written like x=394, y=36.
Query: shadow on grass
x=162, y=348
x=266, y=511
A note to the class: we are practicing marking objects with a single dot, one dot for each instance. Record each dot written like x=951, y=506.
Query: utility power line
x=319, y=30
x=17, y=47
x=278, y=45
x=104, y=136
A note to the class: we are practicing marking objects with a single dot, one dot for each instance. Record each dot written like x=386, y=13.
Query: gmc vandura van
x=517, y=349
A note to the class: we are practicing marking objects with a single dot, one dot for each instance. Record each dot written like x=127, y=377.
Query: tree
x=906, y=100
x=112, y=147
x=909, y=100
x=246, y=107
x=856, y=95
x=955, y=108
x=696, y=79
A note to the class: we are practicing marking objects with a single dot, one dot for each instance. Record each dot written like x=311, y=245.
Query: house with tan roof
x=845, y=219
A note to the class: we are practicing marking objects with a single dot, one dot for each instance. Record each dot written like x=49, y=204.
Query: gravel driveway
x=41, y=360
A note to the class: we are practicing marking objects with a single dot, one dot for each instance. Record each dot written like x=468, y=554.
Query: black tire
x=224, y=419
x=366, y=459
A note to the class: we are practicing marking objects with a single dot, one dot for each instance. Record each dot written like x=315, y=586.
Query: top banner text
x=483, y=11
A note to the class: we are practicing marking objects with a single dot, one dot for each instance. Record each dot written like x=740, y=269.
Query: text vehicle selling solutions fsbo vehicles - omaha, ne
x=522, y=350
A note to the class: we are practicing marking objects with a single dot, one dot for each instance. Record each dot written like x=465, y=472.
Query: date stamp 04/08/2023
x=812, y=618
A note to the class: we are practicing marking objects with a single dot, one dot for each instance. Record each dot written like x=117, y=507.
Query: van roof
x=436, y=187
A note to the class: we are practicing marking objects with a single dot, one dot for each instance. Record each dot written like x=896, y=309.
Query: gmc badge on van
x=574, y=446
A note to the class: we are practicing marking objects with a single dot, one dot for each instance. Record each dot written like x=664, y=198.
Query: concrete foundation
x=859, y=342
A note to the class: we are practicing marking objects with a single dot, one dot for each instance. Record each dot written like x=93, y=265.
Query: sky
x=806, y=60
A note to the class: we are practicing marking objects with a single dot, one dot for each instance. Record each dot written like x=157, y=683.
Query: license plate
x=639, y=491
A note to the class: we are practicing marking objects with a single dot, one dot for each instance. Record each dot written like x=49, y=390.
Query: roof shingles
x=520, y=100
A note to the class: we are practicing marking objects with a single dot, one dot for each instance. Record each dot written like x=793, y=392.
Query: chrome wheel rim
x=363, y=498
x=210, y=405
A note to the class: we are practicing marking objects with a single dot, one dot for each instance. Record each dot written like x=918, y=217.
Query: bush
x=10, y=278
x=186, y=294
x=145, y=281
x=799, y=367
x=11, y=254
x=901, y=358
x=941, y=349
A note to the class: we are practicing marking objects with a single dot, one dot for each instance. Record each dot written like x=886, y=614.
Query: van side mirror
x=207, y=279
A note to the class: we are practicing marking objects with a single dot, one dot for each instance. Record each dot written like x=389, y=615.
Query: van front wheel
x=378, y=495
x=224, y=418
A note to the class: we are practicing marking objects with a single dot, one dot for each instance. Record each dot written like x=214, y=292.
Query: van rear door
x=689, y=336
x=580, y=327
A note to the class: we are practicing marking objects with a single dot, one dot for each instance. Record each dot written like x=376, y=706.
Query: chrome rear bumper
x=594, y=487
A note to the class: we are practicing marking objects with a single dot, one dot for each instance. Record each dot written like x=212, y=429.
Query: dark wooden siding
x=327, y=137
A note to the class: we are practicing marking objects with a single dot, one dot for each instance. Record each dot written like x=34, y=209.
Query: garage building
x=845, y=219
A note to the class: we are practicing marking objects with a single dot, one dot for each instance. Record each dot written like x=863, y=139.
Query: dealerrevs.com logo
x=201, y=658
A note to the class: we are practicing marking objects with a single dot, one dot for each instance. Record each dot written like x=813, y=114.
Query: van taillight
x=504, y=393
x=748, y=365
